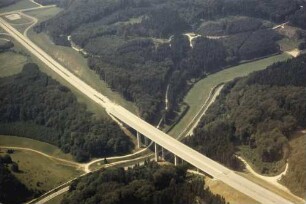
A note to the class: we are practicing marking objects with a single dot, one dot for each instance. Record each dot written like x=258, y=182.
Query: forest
x=10, y=186
x=244, y=38
x=36, y=106
x=6, y=45
x=49, y=2
x=130, y=42
x=4, y=3
x=261, y=112
x=149, y=183
x=299, y=17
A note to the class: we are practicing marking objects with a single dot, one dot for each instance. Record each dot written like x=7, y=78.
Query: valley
x=157, y=73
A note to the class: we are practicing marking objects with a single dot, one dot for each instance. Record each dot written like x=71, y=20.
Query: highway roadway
x=191, y=156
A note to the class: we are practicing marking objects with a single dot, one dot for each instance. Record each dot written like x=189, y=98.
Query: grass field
x=287, y=44
x=11, y=63
x=23, y=4
x=39, y=172
x=295, y=177
x=200, y=91
x=21, y=28
x=44, y=13
x=35, y=145
x=20, y=21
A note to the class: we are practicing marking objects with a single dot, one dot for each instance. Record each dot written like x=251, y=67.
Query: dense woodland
x=4, y=3
x=137, y=46
x=5, y=45
x=299, y=17
x=150, y=184
x=10, y=186
x=36, y=106
x=260, y=111
x=244, y=38
x=48, y=2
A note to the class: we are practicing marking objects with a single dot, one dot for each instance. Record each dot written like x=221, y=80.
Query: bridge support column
x=156, y=152
x=163, y=154
x=146, y=141
x=175, y=160
x=138, y=139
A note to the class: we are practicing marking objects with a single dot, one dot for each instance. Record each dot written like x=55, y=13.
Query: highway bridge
x=160, y=138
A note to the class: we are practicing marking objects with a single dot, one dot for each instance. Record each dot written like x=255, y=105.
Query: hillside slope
x=34, y=105
x=139, y=48
x=10, y=185
x=256, y=116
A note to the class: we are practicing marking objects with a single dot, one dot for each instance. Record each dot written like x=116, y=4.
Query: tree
x=5, y=46
x=10, y=186
x=137, y=185
x=10, y=151
x=14, y=167
x=179, y=48
x=302, y=46
x=6, y=159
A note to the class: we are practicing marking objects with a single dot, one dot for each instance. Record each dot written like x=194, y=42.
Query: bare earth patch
x=294, y=53
x=13, y=17
x=231, y=195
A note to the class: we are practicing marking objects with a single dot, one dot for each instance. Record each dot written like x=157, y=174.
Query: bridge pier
x=138, y=139
x=156, y=152
x=146, y=141
x=163, y=154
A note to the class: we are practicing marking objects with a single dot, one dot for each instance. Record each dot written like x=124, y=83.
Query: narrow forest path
x=67, y=162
